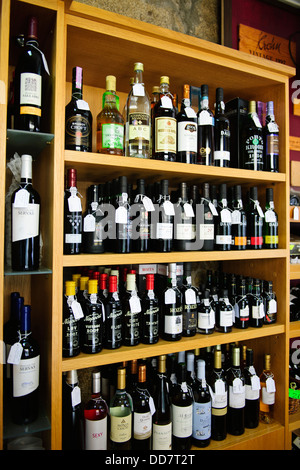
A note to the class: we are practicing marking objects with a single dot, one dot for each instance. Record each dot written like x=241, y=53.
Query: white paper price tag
x=270, y=385
x=148, y=204
x=237, y=385
x=138, y=89
x=76, y=309
x=166, y=102
x=121, y=215
x=270, y=216
x=83, y=105
x=255, y=382
x=213, y=208
x=15, y=354
x=76, y=396
x=190, y=112
x=168, y=208
x=188, y=210
x=190, y=297
x=89, y=223
x=74, y=203
x=170, y=297
x=135, y=304
x=21, y=198
x=225, y=216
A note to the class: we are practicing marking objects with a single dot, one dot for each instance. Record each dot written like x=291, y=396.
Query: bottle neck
x=204, y=102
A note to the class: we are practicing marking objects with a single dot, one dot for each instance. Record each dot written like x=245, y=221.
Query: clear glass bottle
x=95, y=417
x=120, y=411
x=201, y=408
x=268, y=391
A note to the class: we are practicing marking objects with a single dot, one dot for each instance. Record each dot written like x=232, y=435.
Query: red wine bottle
x=131, y=306
x=186, y=130
x=184, y=221
x=205, y=130
x=257, y=306
x=224, y=313
x=26, y=374
x=11, y=333
x=25, y=230
x=95, y=417
x=93, y=230
x=113, y=316
x=141, y=232
x=150, y=313
x=207, y=227
x=236, y=398
x=72, y=216
x=142, y=413
x=171, y=318
x=241, y=307
x=164, y=225
x=239, y=221
x=223, y=238
x=72, y=413
x=123, y=242
x=271, y=140
x=255, y=218
x=92, y=324
x=190, y=302
x=270, y=303
x=206, y=315
x=252, y=145
x=78, y=117
x=219, y=394
x=221, y=132
x=270, y=225
x=162, y=419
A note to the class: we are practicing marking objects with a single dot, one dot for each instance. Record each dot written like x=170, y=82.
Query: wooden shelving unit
x=104, y=43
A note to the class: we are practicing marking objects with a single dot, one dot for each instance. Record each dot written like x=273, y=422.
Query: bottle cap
x=93, y=286
x=139, y=66
x=142, y=373
x=121, y=378
x=223, y=191
x=111, y=83
x=26, y=166
x=72, y=377
x=164, y=79
x=71, y=177
x=103, y=281
x=236, y=357
x=84, y=282
x=252, y=106
x=204, y=90
x=32, y=28
x=186, y=92
x=133, y=366
x=269, y=194
x=149, y=281
x=253, y=193
x=112, y=283
x=130, y=282
x=162, y=364
x=70, y=287
x=164, y=187
x=25, y=319
x=155, y=89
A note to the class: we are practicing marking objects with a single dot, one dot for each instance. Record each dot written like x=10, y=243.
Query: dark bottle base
x=200, y=443
x=181, y=443
x=170, y=338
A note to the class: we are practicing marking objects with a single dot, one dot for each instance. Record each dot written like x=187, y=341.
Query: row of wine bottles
x=121, y=219
x=169, y=402
x=100, y=314
x=295, y=303
x=154, y=128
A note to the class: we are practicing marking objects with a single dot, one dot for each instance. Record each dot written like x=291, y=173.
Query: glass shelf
x=24, y=141
x=9, y=272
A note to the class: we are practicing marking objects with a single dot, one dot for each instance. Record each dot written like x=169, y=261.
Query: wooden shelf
x=294, y=329
x=295, y=271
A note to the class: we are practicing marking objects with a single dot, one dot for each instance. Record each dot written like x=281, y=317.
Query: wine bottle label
x=173, y=324
x=182, y=420
x=254, y=151
x=240, y=241
x=271, y=239
x=120, y=426
x=207, y=231
x=243, y=313
x=206, y=320
x=30, y=93
x=78, y=131
x=272, y=144
x=112, y=136
x=187, y=136
x=250, y=393
x=226, y=318
x=222, y=155
x=201, y=420
x=223, y=239
x=164, y=231
x=26, y=376
x=25, y=222
x=139, y=128
x=184, y=232
x=268, y=398
x=142, y=425
x=258, y=311
x=162, y=436
x=165, y=134
x=96, y=434
x=237, y=395
x=256, y=240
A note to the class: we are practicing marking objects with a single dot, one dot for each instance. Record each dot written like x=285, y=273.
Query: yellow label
x=219, y=411
x=165, y=134
x=30, y=110
x=271, y=239
x=120, y=430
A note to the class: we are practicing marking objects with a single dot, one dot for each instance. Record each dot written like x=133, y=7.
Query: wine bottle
x=150, y=313
x=271, y=140
x=26, y=373
x=241, y=307
x=252, y=145
x=29, y=83
x=224, y=313
x=103, y=287
x=270, y=303
x=142, y=413
x=221, y=132
x=186, y=130
x=205, y=130
x=93, y=237
x=120, y=411
x=207, y=227
x=141, y=232
x=190, y=301
x=93, y=321
x=268, y=391
x=238, y=221
x=257, y=307
x=72, y=314
x=123, y=242
x=223, y=237
x=163, y=225
x=270, y=222
x=110, y=123
x=113, y=316
x=171, y=315
x=164, y=132
x=72, y=413
x=72, y=216
x=78, y=117
x=219, y=396
x=206, y=315
x=190, y=370
x=138, y=117
x=162, y=419
x=236, y=397
x=95, y=417
x=25, y=228
x=83, y=290
x=11, y=335
x=255, y=218
x=201, y=408
x=131, y=306
x=252, y=392
x=182, y=413
x=184, y=222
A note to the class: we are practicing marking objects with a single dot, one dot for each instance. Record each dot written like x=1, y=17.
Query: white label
x=135, y=304
x=206, y=320
x=188, y=210
x=162, y=437
x=206, y=231
x=237, y=394
x=76, y=309
x=225, y=216
x=148, y=204
x=96, y=434
x=222, y=155
x=173, y=324
x=138, y=89
x=250, y=393
x=205, y=119
x=170, y=297
x=142, y=425
x=121, y=215
x=272, y=306
x=26, y=376
x=184, y=232
x=166, y=102
x=182, y=420
x=270, y=216
x=268, y=398
x=236, y=217
x=190, y=297
x=187, y=136
x=168, y=208
x=31, y=89
x=21, y=198
x=164, y=231
x=76, y=396
x=226, y=318
x=74, y=203
x=258, y=312
x=223, y=239
x=25, y=222
x=73, y=237
x=89, y=223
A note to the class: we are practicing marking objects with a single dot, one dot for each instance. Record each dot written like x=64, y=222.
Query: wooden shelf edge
x=294, y=271
x=294, y=421
x=294, y=329
x=127, y=353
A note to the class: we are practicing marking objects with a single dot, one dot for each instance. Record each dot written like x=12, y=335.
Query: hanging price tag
x=76, y=396
x=168, y=208
x=166, y=102
x=170, y=297
x=190, y=112
x=188, y=210
x=270, y=216
x=135, y=304
x=190, y=297
x=74, y=203
x=21, y=198
x=213, y=208
x=226, y=215
x=83, y=105
x=89, y=223
x=121, y=215
x=15, y=354
x=270, y=384
x=138, y=89
x=255, y=382
x=76, y=309
x=148, y=204
x=237, y=385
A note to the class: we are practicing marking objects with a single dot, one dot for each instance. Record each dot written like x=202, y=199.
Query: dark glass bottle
x=252, y=392
x=120, y=411
x=221, y=132
x=207, y=226
x=150, y=313
x=236, y=397
x=201, y=408
x=164, y=132
x=141, y=231
x=241, y=308
x=113, y=316
x=72, y=216
x=131, y=307
x=72, y=413
x=184, y=222
x=83, y=289
x=270, y=303
x=257, y=306
x=123, y=242
x=206, y=315
x=142, y=413
x=254, y=221
x=11, y=336
x=92, y=322
x=26, y=374
x=171, y=311
x=78, y=117
x=252, y=141
x=29, y=83
x=238, y=221
x=223, y=237
x=103, y=287
x=71, y=322
x=182, y=412
x=132, y=377
x=218, y=384
x=205, y=130
x=190, y=301
x=162, y=419
x=93, y=229
x=25, y=221
x=271, y=140
x=95, y=417
x=224, y=313
x=186, y=130
x=163, y=226
x=270, y=222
